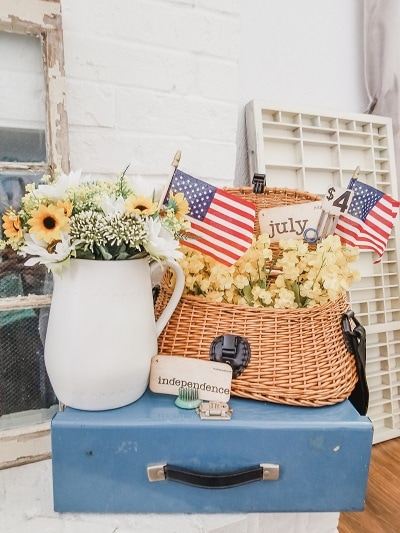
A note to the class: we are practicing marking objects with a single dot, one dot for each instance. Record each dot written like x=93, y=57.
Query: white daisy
x=56, y=190
x=161, y=243
x=112, y=206
x=40, y=254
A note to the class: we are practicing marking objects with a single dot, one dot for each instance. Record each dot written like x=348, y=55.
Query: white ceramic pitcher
x=102, y=332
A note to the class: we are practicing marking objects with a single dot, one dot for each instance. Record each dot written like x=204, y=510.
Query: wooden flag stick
x=174, y=166
x=354, y=177
x=176, y=160
x=356, y=173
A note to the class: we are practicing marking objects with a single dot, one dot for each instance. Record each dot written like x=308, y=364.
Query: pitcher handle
x=176, y=295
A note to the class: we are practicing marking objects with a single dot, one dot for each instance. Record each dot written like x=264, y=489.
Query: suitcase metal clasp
x=214, y=411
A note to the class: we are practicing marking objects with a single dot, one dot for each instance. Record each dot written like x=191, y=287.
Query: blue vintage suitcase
x=151, y=457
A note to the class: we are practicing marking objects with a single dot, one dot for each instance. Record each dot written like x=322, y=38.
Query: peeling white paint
x=40, y=13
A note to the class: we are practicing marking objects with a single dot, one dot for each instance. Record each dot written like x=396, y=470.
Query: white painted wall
x=305, y=54
x=148, y=77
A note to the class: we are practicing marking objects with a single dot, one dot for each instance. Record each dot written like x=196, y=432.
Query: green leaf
x=104, y=253
x=248, y=294
x=85, y=254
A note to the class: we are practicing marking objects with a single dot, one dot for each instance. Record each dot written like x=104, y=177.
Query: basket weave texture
x=298, y=356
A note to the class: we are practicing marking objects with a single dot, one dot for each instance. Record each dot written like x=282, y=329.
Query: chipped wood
x=25, y=460
x=56, y=100
x=25, y=444
x=33, y=301
x=32, y=16
x=24, y=166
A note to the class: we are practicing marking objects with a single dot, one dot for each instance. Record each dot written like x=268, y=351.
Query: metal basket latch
x=259, y=182
x=231, y=349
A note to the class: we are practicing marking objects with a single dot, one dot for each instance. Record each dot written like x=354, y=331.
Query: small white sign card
x=289, y=221
x=211, y=379
x=337, y=200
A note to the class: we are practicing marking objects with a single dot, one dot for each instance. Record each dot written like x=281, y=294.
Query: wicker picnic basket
x=298, y=356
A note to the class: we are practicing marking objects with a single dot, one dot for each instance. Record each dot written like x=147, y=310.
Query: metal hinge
x=270, y=471
x=214, y=411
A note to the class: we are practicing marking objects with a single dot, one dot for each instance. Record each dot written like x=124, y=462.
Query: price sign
x=337, y=200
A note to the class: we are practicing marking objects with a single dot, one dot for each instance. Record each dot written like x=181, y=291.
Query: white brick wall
x=148, y=77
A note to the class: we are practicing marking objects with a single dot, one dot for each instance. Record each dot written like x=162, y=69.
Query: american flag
x=222, y=224
x=369, y=219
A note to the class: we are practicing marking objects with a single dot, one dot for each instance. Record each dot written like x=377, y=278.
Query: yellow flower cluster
x=298, y=275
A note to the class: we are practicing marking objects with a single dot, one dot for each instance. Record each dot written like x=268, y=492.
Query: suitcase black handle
x=262, y=472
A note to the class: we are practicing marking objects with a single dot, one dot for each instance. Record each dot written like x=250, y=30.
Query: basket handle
x=262, y=472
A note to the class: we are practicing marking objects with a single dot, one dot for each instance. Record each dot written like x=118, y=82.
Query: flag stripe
x=216, y=245
x=206, y=232
x=232, y=213
x=208, y=250
x=231, y=224
x=351, y=228
x=242, y=205
x=362, y=244
x=354, y=225
x=359, y=237
x=389, y=207
x=220, y=225
x=225, y=227
x=380, y=222
x=377, y=228
x=387, y=211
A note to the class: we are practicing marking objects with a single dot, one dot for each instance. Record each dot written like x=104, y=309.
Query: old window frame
x=42, y=19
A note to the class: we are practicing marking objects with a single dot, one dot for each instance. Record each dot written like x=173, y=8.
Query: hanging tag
x=212, y=380
x=337, y=200
x=289, y=221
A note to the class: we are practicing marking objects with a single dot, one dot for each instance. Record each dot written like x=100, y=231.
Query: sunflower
x=66, y=205
x=48, y=222
x=12, y=226
x=142, y=205
x=178, y=203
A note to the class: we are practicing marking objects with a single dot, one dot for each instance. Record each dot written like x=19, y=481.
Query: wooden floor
x=382, y=505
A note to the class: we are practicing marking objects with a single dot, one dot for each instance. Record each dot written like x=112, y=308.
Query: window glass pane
x=22, y=98
x=22, y=145
x=24, y=384
x=34, y=280
x=12, y=187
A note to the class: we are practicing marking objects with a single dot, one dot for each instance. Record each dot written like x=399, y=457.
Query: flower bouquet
x=72, y=216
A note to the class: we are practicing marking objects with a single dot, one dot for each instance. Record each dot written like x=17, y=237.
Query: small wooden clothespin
x=259, y=182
